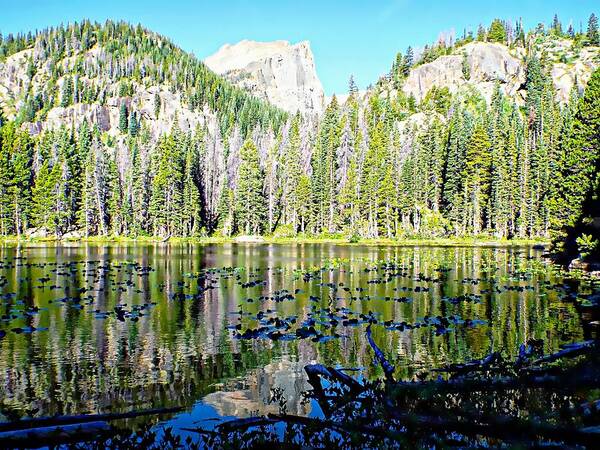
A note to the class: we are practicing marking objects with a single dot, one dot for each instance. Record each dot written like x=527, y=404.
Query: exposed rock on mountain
x=490, y=63
x=280, y=72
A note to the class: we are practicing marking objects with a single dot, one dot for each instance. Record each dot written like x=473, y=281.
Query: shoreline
x=261, y=240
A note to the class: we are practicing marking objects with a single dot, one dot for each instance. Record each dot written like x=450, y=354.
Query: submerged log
x=569, y=351
x=26, y=424
x=54, y=434
x=388, y=369
x=473, y=366
x=315, y=371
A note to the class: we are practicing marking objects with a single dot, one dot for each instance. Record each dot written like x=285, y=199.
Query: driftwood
x=61, y=421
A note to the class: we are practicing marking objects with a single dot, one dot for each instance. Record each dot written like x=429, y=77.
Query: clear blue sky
x=347, y=37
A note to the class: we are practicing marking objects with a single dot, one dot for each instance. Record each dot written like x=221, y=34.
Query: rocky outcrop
x=488, y=64
x=492, y=63
x=279, y=72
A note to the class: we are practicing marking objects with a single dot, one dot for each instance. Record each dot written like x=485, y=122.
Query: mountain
x=282, y=73
x=90, y=72
x=113, y=130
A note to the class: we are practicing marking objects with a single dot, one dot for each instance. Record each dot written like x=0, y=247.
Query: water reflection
x=172, y=344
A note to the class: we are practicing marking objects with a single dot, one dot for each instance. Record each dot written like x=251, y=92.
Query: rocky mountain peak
x=277, y=71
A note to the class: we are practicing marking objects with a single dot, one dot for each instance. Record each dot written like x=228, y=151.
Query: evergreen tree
x=497, y=32
x=352, y=88
x=123, y=118
x=249, y=205
x=556, y=26
x=191, y=193
x=67, y=92
x=157, y=104
x=292, y=171
x=466, y=67
x=476, y=176
x=133, y=126
x=592, y=30
x=579, y=159
x=408, y=61
x=165, y=205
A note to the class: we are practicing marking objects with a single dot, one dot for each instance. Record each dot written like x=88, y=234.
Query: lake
x=93, y=328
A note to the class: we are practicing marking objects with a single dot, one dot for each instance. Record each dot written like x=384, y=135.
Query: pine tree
x=352, y=88
x=303, y=195
x=191, y=193
x=476, y=176
x=408, y=61
x=592, y=30
x=123, y=123
x=6, y=181
x=580, y=156
x=115, y=205
x=67, y=92
x=165, y=205
x=497, y=32
x=466, y=67
x=42, y=196
x=556, y=26
x=292, y=171
x=249, y=205
x=157, y=104
x=133, y=126
x=22, y=158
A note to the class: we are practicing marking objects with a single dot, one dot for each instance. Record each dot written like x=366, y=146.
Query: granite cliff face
x=280, y=72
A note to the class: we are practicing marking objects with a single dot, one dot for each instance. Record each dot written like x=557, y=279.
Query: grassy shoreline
x=438, y=242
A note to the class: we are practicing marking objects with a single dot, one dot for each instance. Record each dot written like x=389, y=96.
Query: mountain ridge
x=168, y=147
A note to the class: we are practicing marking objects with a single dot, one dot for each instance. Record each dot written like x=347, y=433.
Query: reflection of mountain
x=244, y=397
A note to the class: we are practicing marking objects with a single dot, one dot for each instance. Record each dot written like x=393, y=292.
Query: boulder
x=76, y=234
x=249, y=239
x=40, y=232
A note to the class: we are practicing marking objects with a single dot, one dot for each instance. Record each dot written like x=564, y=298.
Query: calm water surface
x=213, y=328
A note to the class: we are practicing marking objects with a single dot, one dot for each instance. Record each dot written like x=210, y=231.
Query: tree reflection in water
x=154, y=325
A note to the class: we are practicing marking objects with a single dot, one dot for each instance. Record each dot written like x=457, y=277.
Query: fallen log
x=569, y=351
x=472, y=366
x=79, y=419
x=54, y=434
x=314, y=371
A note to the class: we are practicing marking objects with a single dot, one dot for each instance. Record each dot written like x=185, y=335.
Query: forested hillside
x=112, y=130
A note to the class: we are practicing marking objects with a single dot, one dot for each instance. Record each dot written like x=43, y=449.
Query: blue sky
x=347, y=37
